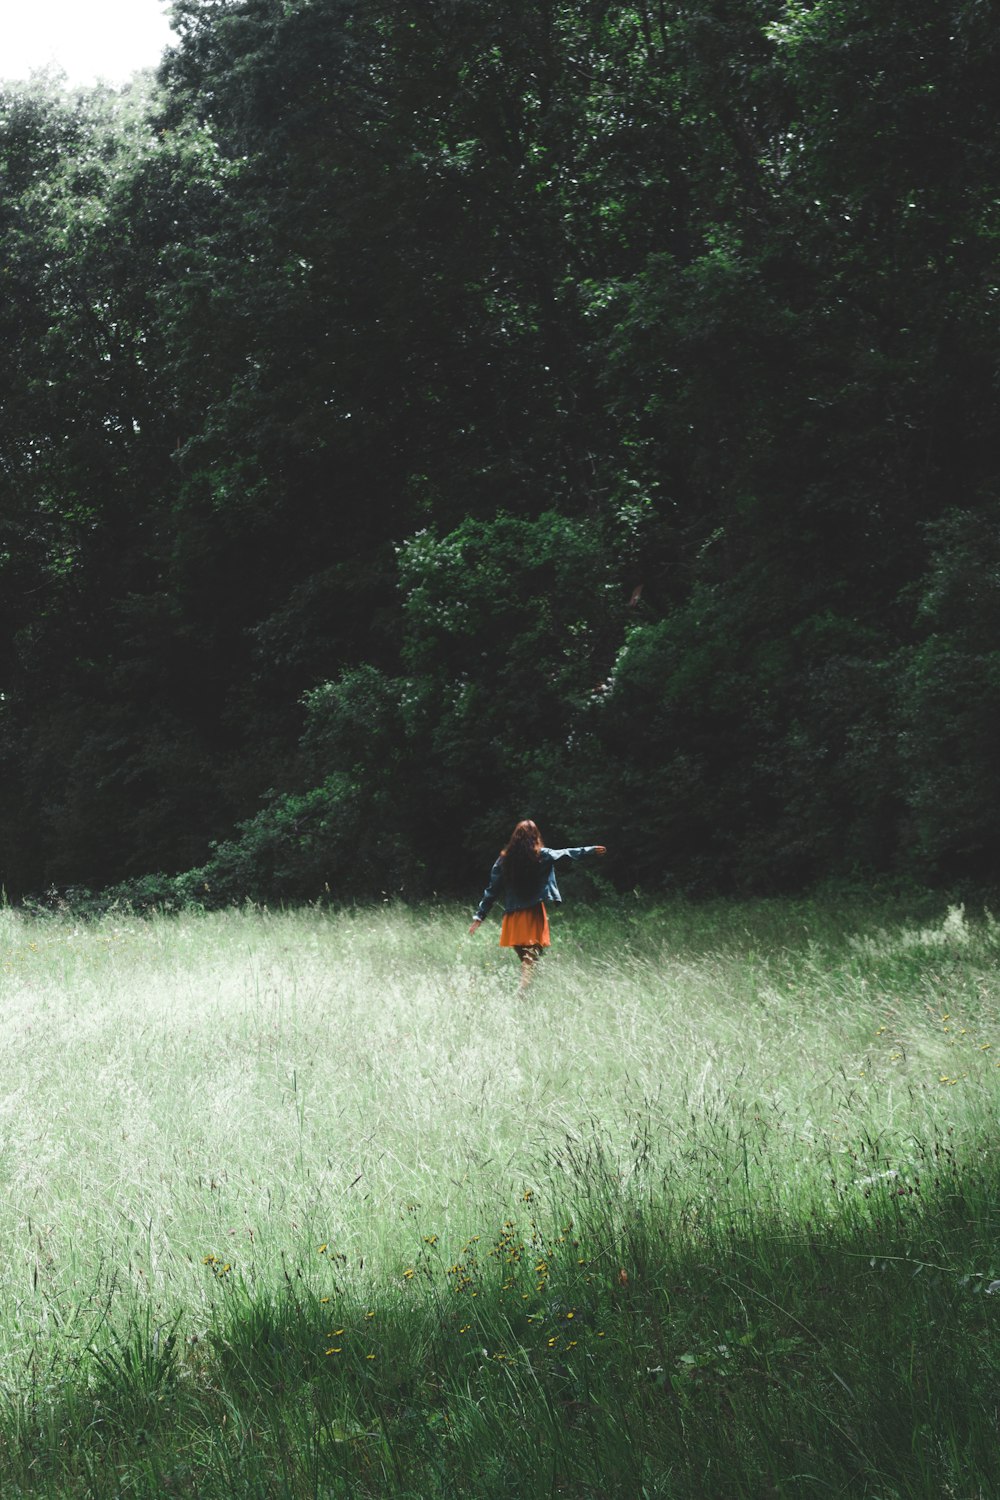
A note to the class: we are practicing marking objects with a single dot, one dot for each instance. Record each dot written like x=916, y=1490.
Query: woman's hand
x=600, y=849
x=476, y=924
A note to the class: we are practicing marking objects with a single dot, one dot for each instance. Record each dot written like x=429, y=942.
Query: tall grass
x=312, y=1203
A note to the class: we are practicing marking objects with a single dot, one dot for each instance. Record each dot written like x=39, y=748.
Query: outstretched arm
x=489, y=895
x=579, y=853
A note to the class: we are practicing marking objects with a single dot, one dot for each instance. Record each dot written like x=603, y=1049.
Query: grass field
x=314, y=1204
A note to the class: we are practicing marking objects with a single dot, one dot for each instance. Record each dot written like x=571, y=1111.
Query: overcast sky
x=87, y=39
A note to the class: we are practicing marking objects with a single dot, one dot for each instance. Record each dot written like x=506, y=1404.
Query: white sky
x=87, y=39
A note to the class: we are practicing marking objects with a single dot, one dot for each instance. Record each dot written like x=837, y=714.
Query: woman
x=526, y=873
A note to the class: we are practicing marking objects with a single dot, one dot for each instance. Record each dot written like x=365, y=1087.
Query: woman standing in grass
x=526, y=873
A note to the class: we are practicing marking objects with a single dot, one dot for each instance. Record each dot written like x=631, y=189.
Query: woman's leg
x=529, y=957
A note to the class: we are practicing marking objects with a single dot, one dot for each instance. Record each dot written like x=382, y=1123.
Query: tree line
x=419, y=414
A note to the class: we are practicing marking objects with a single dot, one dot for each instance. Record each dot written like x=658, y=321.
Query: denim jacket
x=545, y=886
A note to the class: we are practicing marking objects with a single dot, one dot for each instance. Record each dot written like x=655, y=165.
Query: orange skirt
x=525, y=929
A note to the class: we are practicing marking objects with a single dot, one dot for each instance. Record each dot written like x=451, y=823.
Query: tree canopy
x=421, y=415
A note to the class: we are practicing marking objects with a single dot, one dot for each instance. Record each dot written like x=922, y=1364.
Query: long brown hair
x=520, y=858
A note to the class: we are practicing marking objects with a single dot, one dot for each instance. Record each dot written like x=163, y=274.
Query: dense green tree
x=100, y=676
x=419, y=414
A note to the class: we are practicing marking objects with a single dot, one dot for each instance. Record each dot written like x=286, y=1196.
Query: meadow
x=313, y=1204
